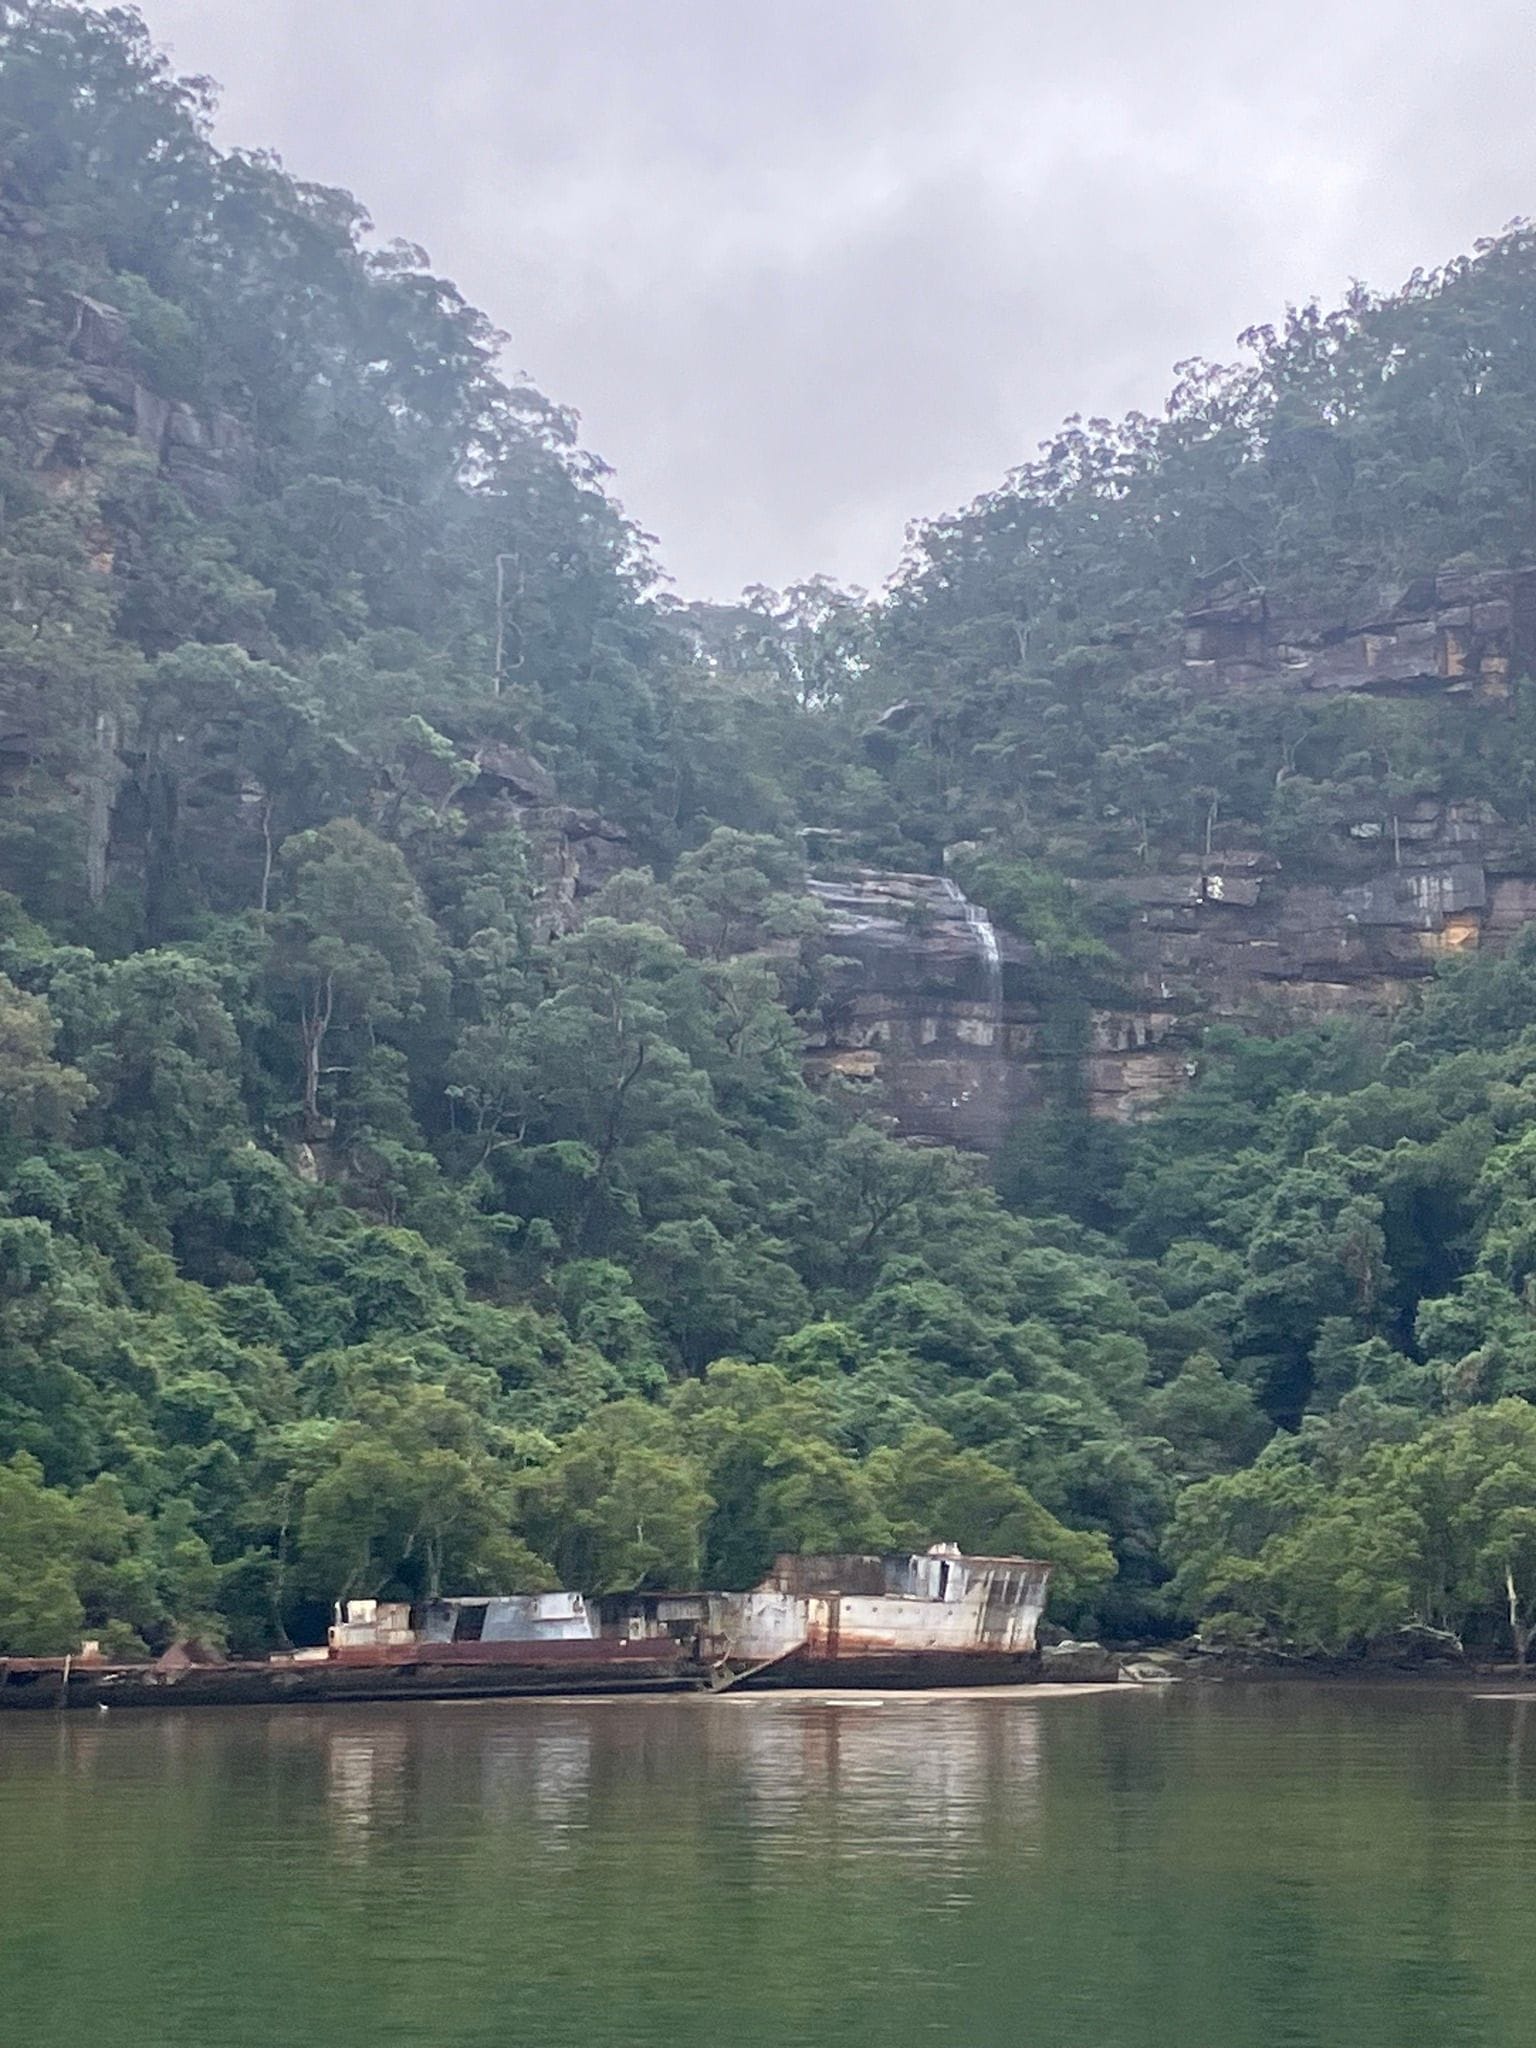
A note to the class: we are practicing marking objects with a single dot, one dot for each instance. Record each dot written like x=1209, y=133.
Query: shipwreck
x=934, y=1617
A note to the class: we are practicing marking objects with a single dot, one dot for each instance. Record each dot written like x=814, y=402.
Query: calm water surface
x=1198, y=1868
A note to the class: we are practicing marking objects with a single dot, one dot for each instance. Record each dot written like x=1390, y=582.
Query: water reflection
x=916, y=1780
x=1236, y=1867
x=365, y=1783
x=1519, y=1713
x=543, y=1773
x=921, y=1783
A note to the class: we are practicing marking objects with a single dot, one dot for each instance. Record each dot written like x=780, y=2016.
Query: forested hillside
x=383, y=1210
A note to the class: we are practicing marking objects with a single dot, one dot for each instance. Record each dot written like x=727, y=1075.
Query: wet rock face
x=1465, y=632
x=922, y=1010
x=918, y=1010
x=572, y=852
x=210, y=455
x=1228, y=935
x=959, y=1053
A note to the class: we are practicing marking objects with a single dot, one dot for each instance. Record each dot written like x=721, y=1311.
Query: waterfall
x=986, y=944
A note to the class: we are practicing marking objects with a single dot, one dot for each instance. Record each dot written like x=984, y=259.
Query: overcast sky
x=812, y=268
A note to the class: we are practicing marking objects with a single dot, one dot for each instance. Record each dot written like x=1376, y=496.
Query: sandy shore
x=791, y=1696
x=821, y=1696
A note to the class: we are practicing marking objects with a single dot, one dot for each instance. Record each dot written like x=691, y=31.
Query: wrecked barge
x=931, y=1618
x=899, y=1620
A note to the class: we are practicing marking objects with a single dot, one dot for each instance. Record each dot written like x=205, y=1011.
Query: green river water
x=1196, y=1867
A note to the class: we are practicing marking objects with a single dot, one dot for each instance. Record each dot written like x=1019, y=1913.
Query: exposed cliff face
x=957, y=1048
x=1462, y=631
x=572, y=851
x=1233, y=934
x=1226, y=935
x=209, y=455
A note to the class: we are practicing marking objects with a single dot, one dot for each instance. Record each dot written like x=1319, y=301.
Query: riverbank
x=919, y=1695
x=1276, y=1667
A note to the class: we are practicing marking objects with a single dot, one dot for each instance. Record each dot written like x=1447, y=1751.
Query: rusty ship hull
x=437, y=1671
x=890, y=1670
x=898, y=1620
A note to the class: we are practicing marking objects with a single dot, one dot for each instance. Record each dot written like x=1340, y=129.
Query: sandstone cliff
x=946, y=1020
x=209, y=455
x=950, y=1032
x=1224, y=935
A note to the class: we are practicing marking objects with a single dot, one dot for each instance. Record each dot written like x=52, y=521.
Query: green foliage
x=1061, y=924
x=925, y=1483
x=374, y=1220
x=84, y=1563
x=39, y=1095
x=619, y=1504
x=1437, y=1530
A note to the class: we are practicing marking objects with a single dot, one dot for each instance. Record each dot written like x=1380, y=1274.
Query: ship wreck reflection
x=909, y=1779
x=906, y=1781
x=365, y=1783
x=534, y=1774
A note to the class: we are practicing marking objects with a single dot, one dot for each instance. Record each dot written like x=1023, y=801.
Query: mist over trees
x=365, y=1228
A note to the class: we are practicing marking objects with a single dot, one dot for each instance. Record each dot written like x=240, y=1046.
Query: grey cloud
x=809, y=271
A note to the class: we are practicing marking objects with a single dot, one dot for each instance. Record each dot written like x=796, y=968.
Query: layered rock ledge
x=957, y=1048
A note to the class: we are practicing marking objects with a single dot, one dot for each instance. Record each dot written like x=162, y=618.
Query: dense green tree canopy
x=373, y=1219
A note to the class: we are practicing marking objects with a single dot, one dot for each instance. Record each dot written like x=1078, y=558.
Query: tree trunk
x=98, y=785
x=266, y=853
x=1520, y=1631
x=610, y=1144
x=280, y=1580
x=315, y=1021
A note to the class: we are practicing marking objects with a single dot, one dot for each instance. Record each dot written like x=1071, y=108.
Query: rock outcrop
x=209, y=455
x=1466, y=632
x=933, y=1006
x=1079, y=1663
x=572, y=851
x=1232, y=934
x=1225, y=935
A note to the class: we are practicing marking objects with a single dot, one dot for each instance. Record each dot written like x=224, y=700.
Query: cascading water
x=919, y=1007
x=991, y=953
